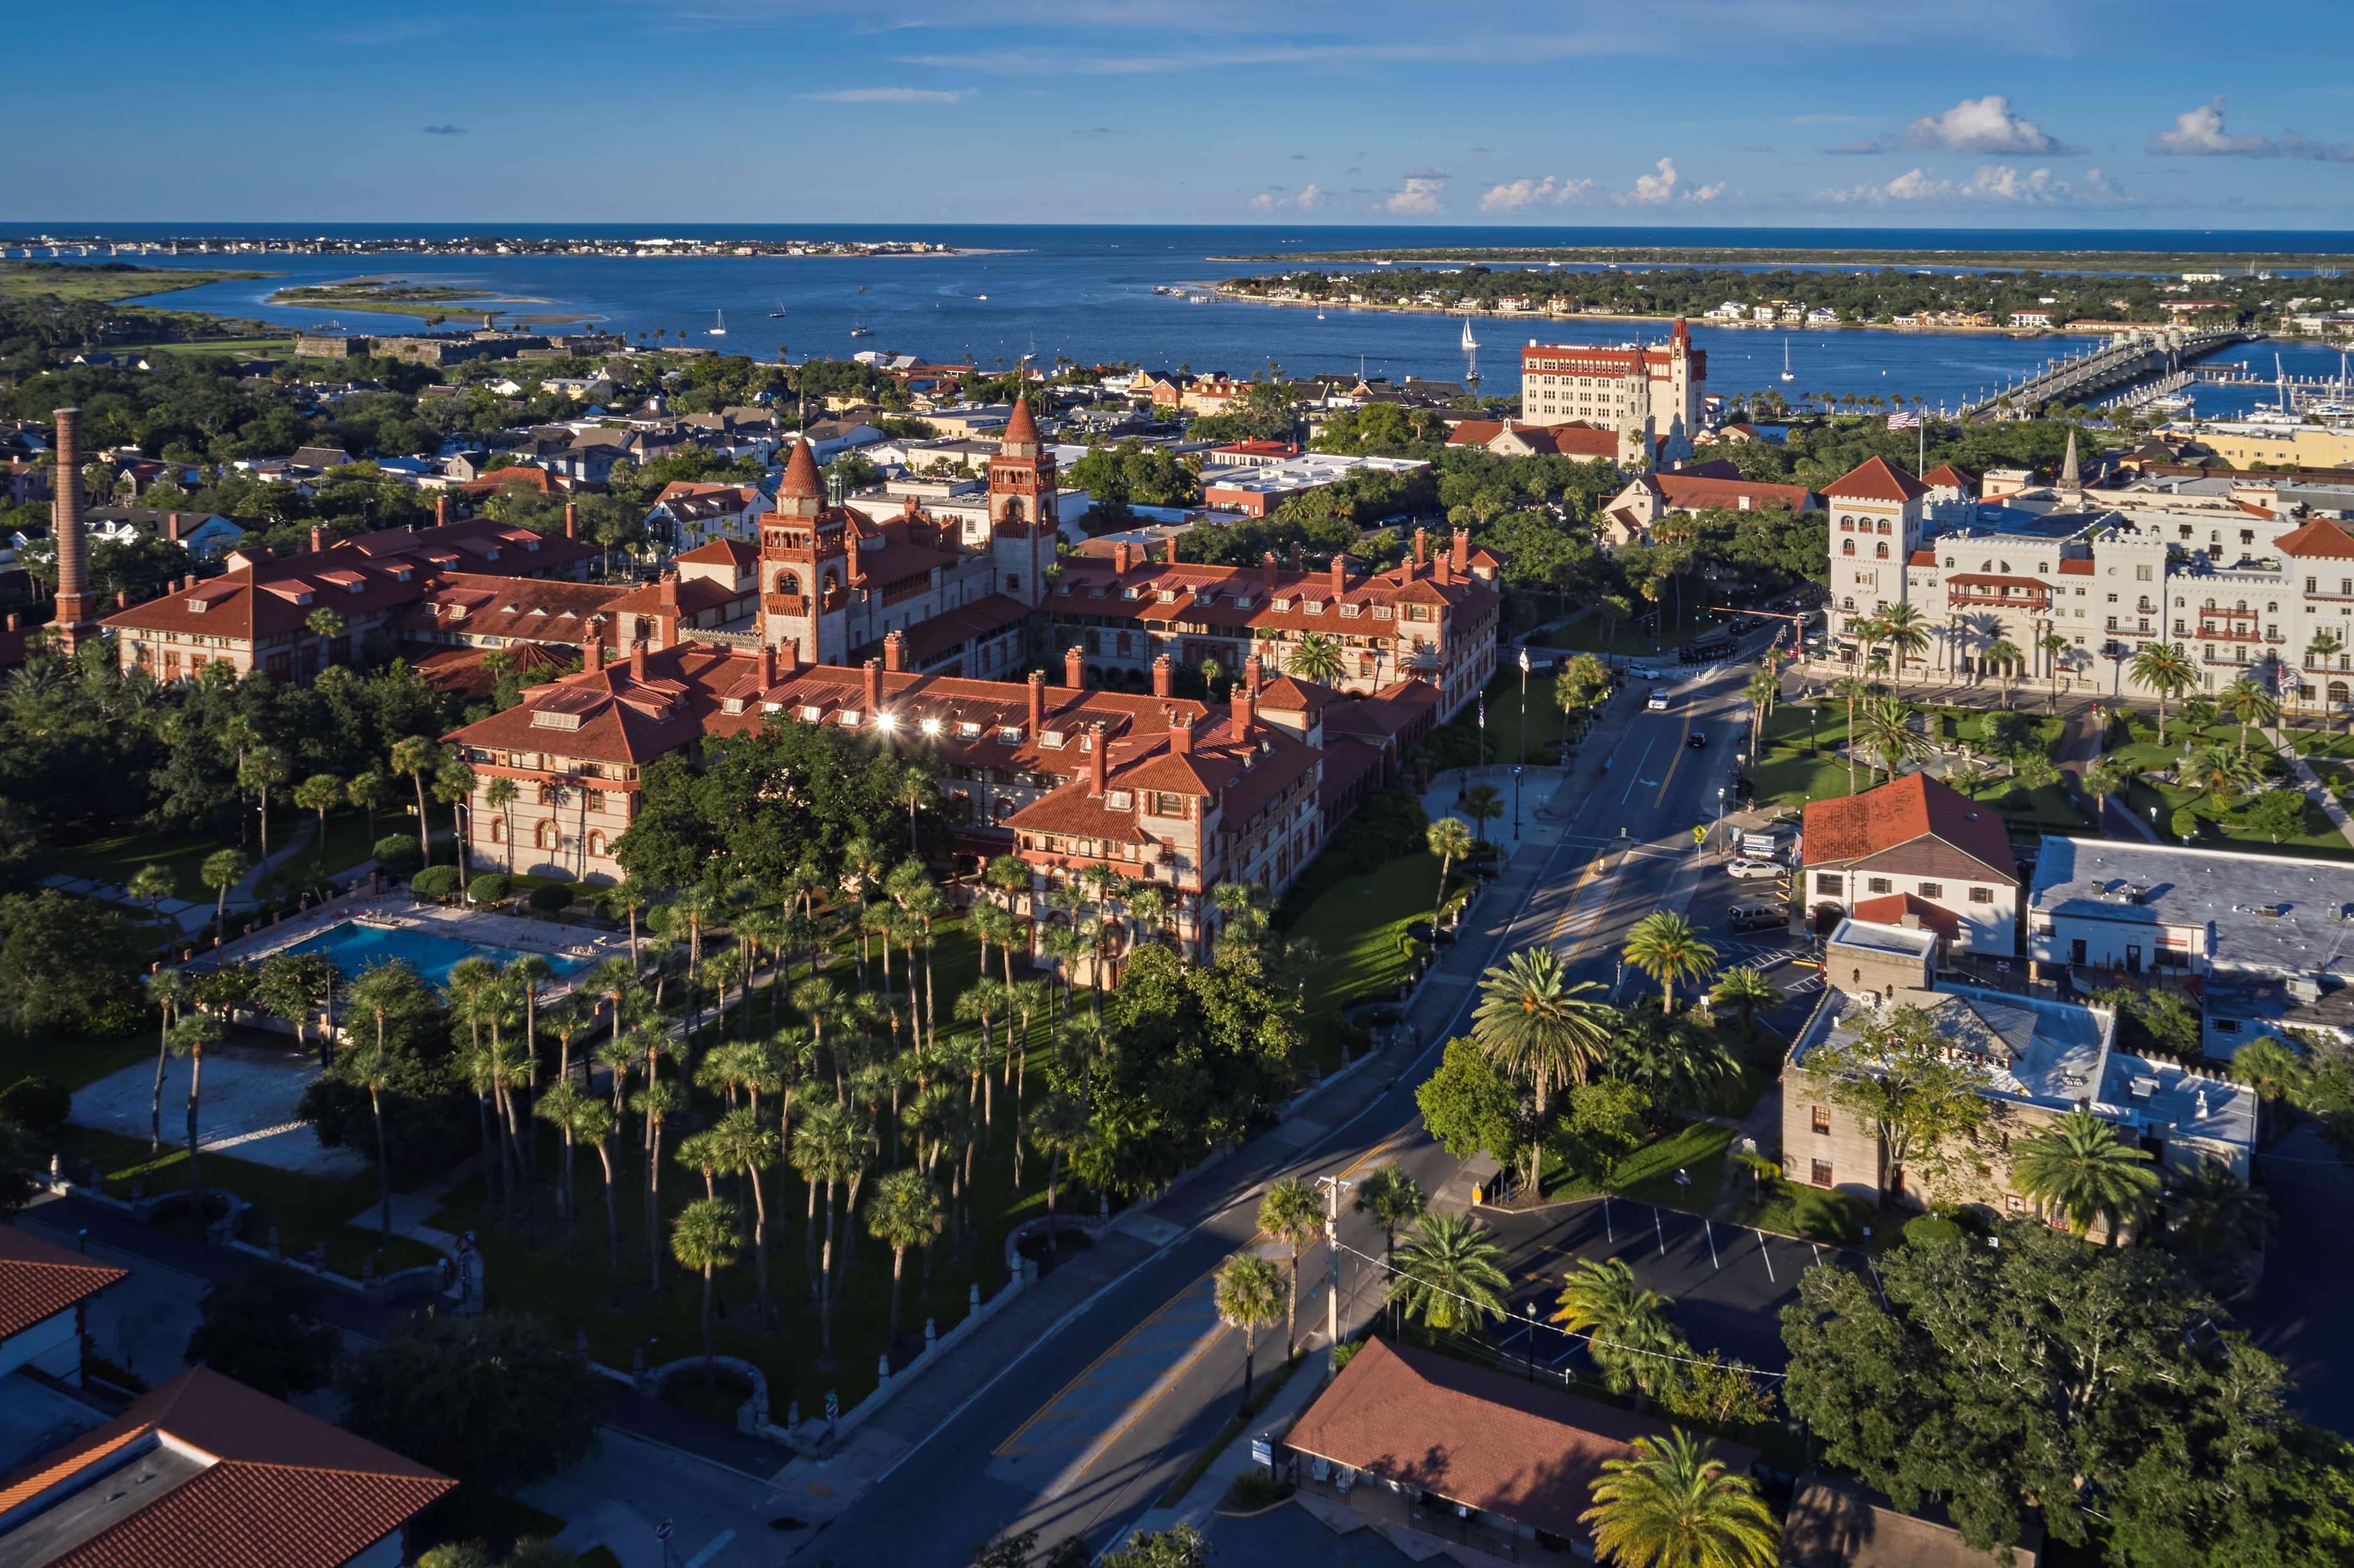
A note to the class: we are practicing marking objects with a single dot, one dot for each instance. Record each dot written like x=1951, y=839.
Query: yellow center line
x=1011, y=1443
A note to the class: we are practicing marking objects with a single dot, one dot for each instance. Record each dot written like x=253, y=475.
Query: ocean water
x=1085, y=293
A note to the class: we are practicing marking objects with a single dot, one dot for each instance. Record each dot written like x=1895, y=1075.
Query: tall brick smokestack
x=65, y=521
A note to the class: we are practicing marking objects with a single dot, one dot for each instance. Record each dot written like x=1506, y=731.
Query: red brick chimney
x=571, y=519
x=171, y=526
x=768, y=667
x=1122, y=557
x=592, y=653
x=1421, y=547
x=873, y=685
x=1245, y=712
x=318, y=538
x=638, y=664
x=788, y=657
x=1180, y=733
x=1099, y=761
x=1164, y=678
x=1462, y=551
x=1254, y=671
x=1074, y=667
x=1340, y=575
x=1439, y=570
x=894, y=652
x=441, y=510
x=123, y=599
x=1037, y=704
x=1294, y=557
x=1266, y=571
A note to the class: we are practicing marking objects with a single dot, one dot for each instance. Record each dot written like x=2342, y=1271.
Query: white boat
x=778, y=311
x=1469, y=343
x=980, y=296
x=718, y=327
x=1787, y=374
x=859, y=327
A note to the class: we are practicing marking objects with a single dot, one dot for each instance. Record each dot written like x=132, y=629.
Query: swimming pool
x=354, y=947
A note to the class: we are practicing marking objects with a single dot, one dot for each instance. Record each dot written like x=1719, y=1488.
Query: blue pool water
x=354, y=947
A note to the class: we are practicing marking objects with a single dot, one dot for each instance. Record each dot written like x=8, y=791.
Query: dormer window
x=1119, y=801
x=812, y=713
x=1242, y=601
x=1313, y=606
x=1128, y=593
x=1051, y=739
x=1282, y=604
x=198, y=605
x=1009, y=735
x=1348, y=612
x=967, y=730
x=548, y=719
x=355, y=588
x=1384, y=613
x=733, y=706
x=848, y=718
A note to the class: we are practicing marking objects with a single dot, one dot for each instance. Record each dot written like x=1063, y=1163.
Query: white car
x=1747, y=869
x=1657, y=701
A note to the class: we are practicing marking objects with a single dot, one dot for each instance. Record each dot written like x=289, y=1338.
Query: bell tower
x=804, y=567
x=1023, y=517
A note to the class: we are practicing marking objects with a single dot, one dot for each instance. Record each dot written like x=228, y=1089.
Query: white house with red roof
x=1914, y=851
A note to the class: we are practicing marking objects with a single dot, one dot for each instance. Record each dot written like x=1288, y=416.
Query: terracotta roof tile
x=1891, y=908
x=1876, y=479
x=2320, y=539
x=39, y=1279
x=1914, y=807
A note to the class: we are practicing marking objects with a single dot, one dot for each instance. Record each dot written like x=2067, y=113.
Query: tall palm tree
x=417, y=755
x=1743, y=991
x=1250, y=1296
x=566, y=1107
x=1905, y=631
x=1763, y=687
x=1450, y=840
x=2325, y=646
x=2081, y=1167
x=828, y=1151
x=321, y=792
x=168, y=990
x=594, y=1123
x=265, y=768
x=377, y=992
x=744, y=1143
x=150, y=885
x=1483, y=803
x=1884, y=730
x=2221, y=774
x=1664, y=945
x=1059, y=1128
x=2212, y=1209
x=367, y=790
x=1314, y=657
x=2165, y=669
x=1869, y=632
x=1627, y=1328
x=1391, y=1198
x=1291, y=1212
x=1851, y=689
x=188, y=1038
x=1536, y=1025
x=2053, y=647
x=2006, y=658
x=222, y=869
x=1669, y=1505
x=2108, y=775
x=2250, y=702
x=905, y=1212
x=1448, y=1274
x=705, y=1238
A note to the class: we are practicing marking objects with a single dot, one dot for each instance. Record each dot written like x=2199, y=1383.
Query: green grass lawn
x=1628, y=641
x=255, y=346
x=117, y=856
x=306, y=1210
x=1649, y=1174
x=2318, y=839
x=1459, y=743
x=73, y=1063
x=1793, y=1209
x=1359, y=926
x=1800, y=762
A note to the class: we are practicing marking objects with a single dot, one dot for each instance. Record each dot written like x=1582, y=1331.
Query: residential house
x=829, y=439
x=1628, y=515
x=1836, y=1522
x=205, y=535
x=45, y=1295
x=686, y=515
x=1915, y=846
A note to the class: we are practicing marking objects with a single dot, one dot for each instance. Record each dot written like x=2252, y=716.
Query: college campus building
x=1651, y=396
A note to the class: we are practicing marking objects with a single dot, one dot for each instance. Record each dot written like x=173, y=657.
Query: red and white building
x=1648, y=394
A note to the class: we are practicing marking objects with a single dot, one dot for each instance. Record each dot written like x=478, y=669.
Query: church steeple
x=2071, y=476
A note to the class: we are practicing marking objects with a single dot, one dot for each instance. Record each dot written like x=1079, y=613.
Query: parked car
x=1746, y=869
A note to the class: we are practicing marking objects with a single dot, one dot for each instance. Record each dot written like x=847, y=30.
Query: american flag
x=1904, y=422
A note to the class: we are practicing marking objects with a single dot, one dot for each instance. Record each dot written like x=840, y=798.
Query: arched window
x=545, y=836
x=1847, y=524
x=498, y=831
x=1882, y=549
x=548, y=794
x=1846, y=546
x=1012, y=513
x=788, y=583
x=2336, y=690
x=1884, y=524
x=596, y=845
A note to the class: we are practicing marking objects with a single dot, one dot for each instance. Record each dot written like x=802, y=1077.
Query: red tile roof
x=722, y=551
x=2320, y=539
x=1890, y=909
x=1876, y=479
x=2076, y=566
x=1946, y=474
x=1695, y=492
x=273, y=1488
x=1476, y=1435
x=1019, y=426
x=1922, y=558
x=1913, y=807
x=801, y=480
x=39, y=1279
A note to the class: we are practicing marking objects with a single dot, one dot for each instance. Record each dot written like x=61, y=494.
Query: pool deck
x=398, y=911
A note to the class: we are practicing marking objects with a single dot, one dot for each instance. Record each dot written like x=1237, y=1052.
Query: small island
x=401, y=296
x=101, y=283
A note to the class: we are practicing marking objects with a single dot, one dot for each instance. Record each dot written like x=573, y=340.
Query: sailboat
x=2285, y=413
x=718, y=327
x=1786, y=374
x=859, y=327
x=1469, y=343
x=778, y=311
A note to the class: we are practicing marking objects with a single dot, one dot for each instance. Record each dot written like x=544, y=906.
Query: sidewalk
x=1202, y=1498
x=2314, y=790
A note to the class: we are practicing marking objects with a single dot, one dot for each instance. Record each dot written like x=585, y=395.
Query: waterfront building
x=1649, y=395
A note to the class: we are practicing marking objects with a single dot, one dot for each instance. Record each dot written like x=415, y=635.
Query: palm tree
x=499, y=795
x=1535, y=1025
x=1626, y=1326
x=2249, y=702
x=705, y=1238
x=1483, y=803
x=1851, y=689
x=150, y=885
x=2053, y=646
x=1315, y=657
x=1059, y=1128
x=223, y=869
x=2165, y=669
x=2108, y=775
x=1291, y=1212
x=367, y=790
x=2326, y=645
x=742, y=1142
x=1763, y=689
x=1250, y=1296
x=566, y=1107
x=1669, y=1505
x=1741, y=991
x=1446, y=1274
x=377, y=992
x=188, y=1038
x=1905, y=631
x=321, y=792
x=827, y=1149
x=1393, y=1199
x=2005, y=656
x=2082, y=1168
x=1450, y=840
x=417, y=755
x=1869, y=631
x=264, y=767
x=904, y=1211
x=2221, y=774
x=168, y=990
x=1885, y=730
x=1665, y=947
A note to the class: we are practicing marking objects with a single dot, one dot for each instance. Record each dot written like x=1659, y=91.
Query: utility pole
x=1332, y=1185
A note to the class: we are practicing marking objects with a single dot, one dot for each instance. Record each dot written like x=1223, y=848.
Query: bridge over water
x=2120, y=363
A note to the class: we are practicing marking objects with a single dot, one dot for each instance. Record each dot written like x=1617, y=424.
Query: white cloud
x=1532, y=193
x=2199, y=133
x=1419, y=194
x=1980, y=125
x=1653, y=189
x=1998, y=182
x=888, y=95
x=1273, y=199
x=1706, y=193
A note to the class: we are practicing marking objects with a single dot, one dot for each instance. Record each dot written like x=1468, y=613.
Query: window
x=2227, y=1026
x=1822, y=1119
x=1981, y=895
x=2141, y=574
x=1932, y=890
x=2012, y=1204
x=1878, y=885
x=1828, y=883
x=1846, y=546
x=1820, y=1173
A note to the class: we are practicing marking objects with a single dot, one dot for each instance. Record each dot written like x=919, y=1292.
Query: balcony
x=2008, y=593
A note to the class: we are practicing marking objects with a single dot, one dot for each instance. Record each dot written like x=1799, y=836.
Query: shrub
x=41, y=1103
x=435, y=882
x=1932, y=1230
x=491, y=887
x=552, y=899
x=397, y=856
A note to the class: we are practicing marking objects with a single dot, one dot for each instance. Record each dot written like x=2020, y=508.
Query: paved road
x=1085, y=1430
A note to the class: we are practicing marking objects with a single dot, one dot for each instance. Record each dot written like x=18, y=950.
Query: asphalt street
x=1087, y=1428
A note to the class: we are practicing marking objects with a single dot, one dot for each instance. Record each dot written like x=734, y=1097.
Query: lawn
x=305, y=1209
x=73, y=1063
x=1649, y=1174
x=1635, y=640
x=1793, y=1209
x=1800, y=760
x=2317, y=838
x=256, y=346
x=1359, y=926
x=1458, y=743
x=115, y=857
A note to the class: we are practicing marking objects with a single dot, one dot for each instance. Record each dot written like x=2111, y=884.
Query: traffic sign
x=1700, y=833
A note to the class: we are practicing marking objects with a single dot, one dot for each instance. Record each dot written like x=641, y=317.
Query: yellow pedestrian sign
x=1700, y=833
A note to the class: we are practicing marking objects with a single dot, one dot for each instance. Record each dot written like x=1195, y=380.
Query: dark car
x=1696, y=740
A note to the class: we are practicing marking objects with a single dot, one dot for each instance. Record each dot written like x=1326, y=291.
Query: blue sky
x=2007, y=113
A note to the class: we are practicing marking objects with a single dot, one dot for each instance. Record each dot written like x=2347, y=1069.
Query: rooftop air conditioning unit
x=2305, y=989
x=2141, y=1089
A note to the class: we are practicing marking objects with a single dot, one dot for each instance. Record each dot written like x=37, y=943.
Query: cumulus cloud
x=1705, y=193
x=1420, y=194
x=1995, y=182
x=445, y=130
x=2200, y=134
x=1534, y=193
x=1981, y=125
x=889, y=95
x=1273, y=199
x=1653, y=189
